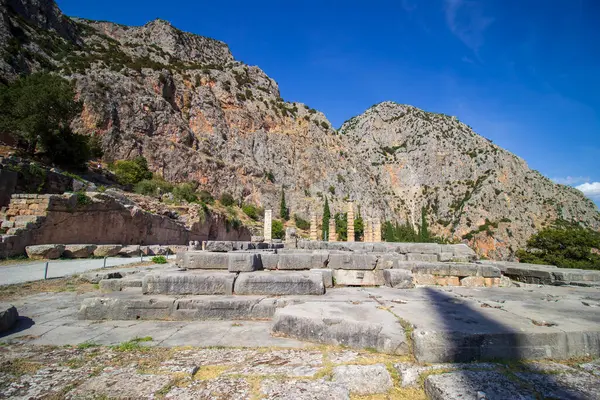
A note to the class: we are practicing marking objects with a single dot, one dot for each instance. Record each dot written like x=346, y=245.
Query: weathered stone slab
x=291, y=262
x=419, y=248
x=45, y=251
x=219, y=246
x=224, y=308
x=327, y=275
x=563, y=385
x=119, y=308
x=575, y=275
x=107, y=250
x=531, y=274
x=321, y=389
x=243, y=262
x=474, y=385
x=79, y=250
x=279, y=283
x=182, y=283
x=269, y=261
x=398, y=278
x=117, y=285
x=344, y=277
x=390, y=260
x=130, y=251
x=422, y=257
x=8, y=317
x=364, y=379
x=352, y=261
x=205, y=260
x=354, y=325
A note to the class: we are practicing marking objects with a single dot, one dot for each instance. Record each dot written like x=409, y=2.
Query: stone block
x=475, y=385
x=398, y=278
x=79, y=250
x=269, y=261
x=419, y=248
x=189, y=283
x=352, y=261
x=244, y=262
x=219, y=246
x=390, y=261
x=224, y=308
x=117, y=285
x=488, y=271
x=319, y=389
x=463, y=269
x=205, y=260
x=290, y=262
x=257, y=239
x=364, y=379
x=446, y=257
x=531, y=274
x=436, y=268
x=422, y=257
x=130, y=251
x=424, y=279
x=107, y=250
x=460, y=250
x=45, y=251
x=327, y=275
x=116, y=308
x=279, y=283
x=473, y=281
x=8, y=317
x=453, y=281
x=345, y=277
x=361, y=326
x=384, y=247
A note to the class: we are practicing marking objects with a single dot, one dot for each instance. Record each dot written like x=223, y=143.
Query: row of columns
x=372, y=232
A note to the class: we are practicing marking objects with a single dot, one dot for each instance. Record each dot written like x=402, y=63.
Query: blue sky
x=525, y=74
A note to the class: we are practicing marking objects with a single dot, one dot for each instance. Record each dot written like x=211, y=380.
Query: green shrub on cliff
x=227, y=200
x=564, y=244
x=130, y=172
x=277, y=229
x=185, y=192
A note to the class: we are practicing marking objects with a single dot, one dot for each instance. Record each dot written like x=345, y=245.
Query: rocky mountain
x=195, y=113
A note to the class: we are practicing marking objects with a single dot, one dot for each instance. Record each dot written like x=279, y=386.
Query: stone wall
x=100, y=219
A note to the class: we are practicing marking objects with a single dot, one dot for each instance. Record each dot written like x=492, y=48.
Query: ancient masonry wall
x=98, y=219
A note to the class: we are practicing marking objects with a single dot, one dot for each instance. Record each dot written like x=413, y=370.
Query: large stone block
x=244, y=262
x=422, y=257
x=352, y=261
x=224, y=308
x=219, y=246
x=364, y=379
x=107, y=250
x=360, y=326
x=398, y=278
x=327, y=276
x=422, y=248
x=130, y=251
x=269, y=261
x=183, y=283
x=45, y=251
x=79, y=250
x=205, y=260
x=290, y=262
x=345, y=277
x=460, y=251
x=119, y=308
x=117, y=285
x=531, y=274
x=390, y=260
x=469, y=385
x=279, y=283
x=8, y=316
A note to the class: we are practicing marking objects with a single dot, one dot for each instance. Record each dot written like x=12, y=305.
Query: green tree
x=130, y=172
x=38, y=109
x=251, y=211
x=424, y=235
x=564, y=244
x=283, y=210
x=185, y=192
x=341, y=226
x=325, y=221
x=227, y=199
x=359, y=226
x=277, y=230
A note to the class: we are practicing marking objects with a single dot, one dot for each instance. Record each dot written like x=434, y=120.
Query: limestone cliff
x=196, y=113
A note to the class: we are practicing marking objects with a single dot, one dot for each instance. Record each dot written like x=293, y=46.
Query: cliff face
x=196, y=113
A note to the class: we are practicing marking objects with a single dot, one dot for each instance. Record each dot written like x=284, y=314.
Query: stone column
x=350, y=221
x=377, y=230
x=332, y=234
x=268, y=225
x=313, y=227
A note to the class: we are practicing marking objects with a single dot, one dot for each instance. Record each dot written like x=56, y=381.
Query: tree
x=277, y=231
x=227, y=199
x=130, y=172
x=341, y=226
x=564, y=244
x=38, y=109
x=283, y=210
x=424, y=235
x=325, y=221
x=359, y=226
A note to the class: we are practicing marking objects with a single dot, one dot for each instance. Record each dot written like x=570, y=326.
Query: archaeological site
x=172, y=228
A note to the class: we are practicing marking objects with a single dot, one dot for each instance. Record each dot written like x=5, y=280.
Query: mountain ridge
x=184, y=102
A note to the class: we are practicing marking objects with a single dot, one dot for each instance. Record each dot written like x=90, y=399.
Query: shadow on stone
x=22, y=324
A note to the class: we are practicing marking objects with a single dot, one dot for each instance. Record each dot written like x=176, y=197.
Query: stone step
x=189, y=283
x=127, y=305
x=278, y=283
x=360, y=326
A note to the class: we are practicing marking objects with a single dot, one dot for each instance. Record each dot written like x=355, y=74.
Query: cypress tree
x=283, y=211
x=326, y=217
x=424, y=235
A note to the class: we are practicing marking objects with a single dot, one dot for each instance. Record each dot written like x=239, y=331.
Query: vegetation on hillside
x=564, y=244
x=38, y=109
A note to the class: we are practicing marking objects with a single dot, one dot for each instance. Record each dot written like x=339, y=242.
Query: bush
x=185, y=192
x=153, y=187
x=301, y=223
x=564, y=244
x=227, y=200
x=130, y=172
x=251, y=211
x=277, y=230
x=83, y=199
x=206, y=197
x=159, y=260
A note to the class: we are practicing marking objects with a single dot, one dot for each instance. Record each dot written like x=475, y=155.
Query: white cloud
x=467, y=22
x=571, y=180
x=591, y=190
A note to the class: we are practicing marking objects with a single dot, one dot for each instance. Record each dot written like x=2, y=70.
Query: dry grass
x=208, y=372
x=70, y=284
